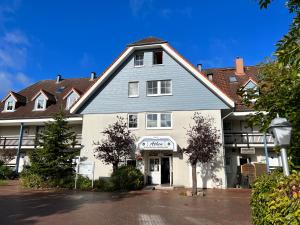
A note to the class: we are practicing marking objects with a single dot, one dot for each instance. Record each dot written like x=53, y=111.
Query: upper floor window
x=72, y=98
x=159, y=120
x=9, y=104
x=157, y=57
x=133, y=89
x=159, y=87
x=132, y=121
x=139, y=59
x=40, y=103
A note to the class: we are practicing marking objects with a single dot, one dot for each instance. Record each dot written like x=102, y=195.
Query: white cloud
x=140, y=6
x=16, y=37
x=12, y=82
x=87, y=60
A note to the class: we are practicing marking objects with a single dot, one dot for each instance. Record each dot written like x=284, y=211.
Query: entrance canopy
x=157, y=143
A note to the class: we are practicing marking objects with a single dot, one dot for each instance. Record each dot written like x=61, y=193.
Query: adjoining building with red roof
x=157, y=91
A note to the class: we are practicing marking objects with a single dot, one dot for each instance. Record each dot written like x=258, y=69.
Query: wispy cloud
x=10, y=81
x=169, y=12
x=144, y=8
x=140, y=6
x=14, y=48
x=220, y=53
x=87, y=61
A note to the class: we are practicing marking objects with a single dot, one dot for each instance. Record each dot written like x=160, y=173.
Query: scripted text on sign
x=157, y=144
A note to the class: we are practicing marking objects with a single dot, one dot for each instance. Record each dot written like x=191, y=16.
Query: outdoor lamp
x=281, y=131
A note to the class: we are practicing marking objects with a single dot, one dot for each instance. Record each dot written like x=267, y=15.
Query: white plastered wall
x=94, y=124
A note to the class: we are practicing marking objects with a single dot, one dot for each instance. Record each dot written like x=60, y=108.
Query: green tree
x=279, y=81
x=53, y=157
x=288, y=48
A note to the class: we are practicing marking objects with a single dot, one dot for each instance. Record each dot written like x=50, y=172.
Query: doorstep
x=159, y=187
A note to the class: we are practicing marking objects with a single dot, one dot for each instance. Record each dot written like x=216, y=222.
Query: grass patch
x=3, y=182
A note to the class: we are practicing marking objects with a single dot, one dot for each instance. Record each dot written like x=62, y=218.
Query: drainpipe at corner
x=19, y=147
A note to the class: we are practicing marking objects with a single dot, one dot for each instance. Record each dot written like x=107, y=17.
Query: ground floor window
x=159, y=120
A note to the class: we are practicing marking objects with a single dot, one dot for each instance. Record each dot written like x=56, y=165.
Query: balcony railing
x=27, y=141
x=247, y=138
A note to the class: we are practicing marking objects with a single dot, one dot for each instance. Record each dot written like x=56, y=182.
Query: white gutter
x=43, y=120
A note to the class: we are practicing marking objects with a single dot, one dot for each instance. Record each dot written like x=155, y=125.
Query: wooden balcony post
x=19, y=147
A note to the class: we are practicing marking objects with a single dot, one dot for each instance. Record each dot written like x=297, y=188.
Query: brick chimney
x=239, y=66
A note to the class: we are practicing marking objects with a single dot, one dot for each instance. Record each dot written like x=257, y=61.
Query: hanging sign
x=248, y=151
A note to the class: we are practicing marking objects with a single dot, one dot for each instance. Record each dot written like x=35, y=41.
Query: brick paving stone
x=218, y=207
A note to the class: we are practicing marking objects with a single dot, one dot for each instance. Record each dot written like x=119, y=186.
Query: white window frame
x=69, y=104
x=137, y=121
x=159, y=88
x=138, y=89
x=135, y=59
x=159, y=121
x=13, y=105
x=36, y=104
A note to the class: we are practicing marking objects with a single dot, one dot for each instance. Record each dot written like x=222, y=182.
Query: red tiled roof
x=221, y=79
x=148, y=41
x=54, y=91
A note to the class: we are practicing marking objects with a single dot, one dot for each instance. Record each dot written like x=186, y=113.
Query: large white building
x=157, y=91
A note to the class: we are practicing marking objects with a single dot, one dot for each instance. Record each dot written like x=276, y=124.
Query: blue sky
x=39, y=39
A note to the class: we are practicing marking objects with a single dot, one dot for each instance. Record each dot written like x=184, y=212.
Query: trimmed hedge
x=275, y=199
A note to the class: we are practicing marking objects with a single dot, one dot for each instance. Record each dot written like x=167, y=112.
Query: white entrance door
x=154, y=169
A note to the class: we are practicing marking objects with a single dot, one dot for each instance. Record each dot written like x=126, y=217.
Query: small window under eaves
x=232, y=79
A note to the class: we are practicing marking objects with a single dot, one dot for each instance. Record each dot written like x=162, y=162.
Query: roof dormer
x=42, y=100
x=72, y=96
x=12, y=101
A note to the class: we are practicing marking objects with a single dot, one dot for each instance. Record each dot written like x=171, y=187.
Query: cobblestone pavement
x=218, y=207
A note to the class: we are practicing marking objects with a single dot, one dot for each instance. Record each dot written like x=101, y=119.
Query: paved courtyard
x=220, y=207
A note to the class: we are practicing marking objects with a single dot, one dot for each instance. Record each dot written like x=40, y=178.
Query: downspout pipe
x=223, y=141
x=19, y=148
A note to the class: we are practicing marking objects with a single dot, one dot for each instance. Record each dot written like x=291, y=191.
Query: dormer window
x=72, y=96
x=40, y=103
x=251, y=87
x=9, y=105
x=12, y=101
x=42, y=100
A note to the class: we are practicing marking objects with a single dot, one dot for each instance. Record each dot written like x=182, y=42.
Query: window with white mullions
x=10, y=105
x=165, y=87
x=159, y=87
x=159, y=120
x=152, y=120
x=165, y=120
x=139, y=59
x=133, y=89
x=132, y=121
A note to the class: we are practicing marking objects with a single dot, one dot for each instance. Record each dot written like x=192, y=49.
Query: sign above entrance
x=248, y=151
x=157, y=143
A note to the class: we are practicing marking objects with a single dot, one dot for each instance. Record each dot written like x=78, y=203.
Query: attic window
x=40, y=103
x=210, y=76
x=9, y=105
x=60, y=89
x=157, y=58
x=72, y=98
x=232, y=79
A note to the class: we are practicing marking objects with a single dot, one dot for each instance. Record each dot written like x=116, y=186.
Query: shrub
x=275, y=199
x=84, y=183
x=127, y=178
x=31, y=180
x=5, y=172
